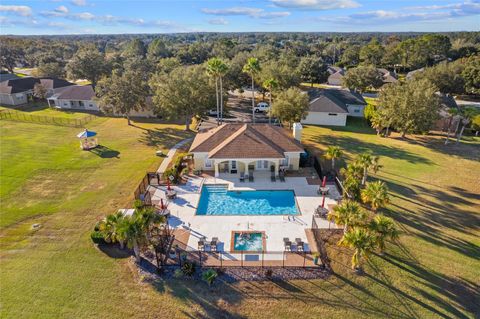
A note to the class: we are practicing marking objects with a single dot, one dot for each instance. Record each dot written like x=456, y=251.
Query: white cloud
x=79, y=3
x=23, y=11
x=218, y=21
x=84, y=16
x=316, y=4
x=410, y=14
x=246, y=11
x=62, y=9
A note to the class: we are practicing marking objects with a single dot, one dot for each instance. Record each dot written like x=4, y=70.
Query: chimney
x=297, y=131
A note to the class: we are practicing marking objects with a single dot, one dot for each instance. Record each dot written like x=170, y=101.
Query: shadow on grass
x=357, y=146
x=454, y=291
x=165, y=137
x=203, y=301
x=114, y=251
x=104, y=152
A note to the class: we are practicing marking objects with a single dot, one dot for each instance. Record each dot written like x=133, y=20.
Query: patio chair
x=272, y=177
x=250, y=177
x=242, y=177
x=287, y=244
x=201, y=245
x=299, y=243
x=281, y=176
x=213, y=244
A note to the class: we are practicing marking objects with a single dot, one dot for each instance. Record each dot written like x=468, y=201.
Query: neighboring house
x=54, y=85
x=332, y=106
x=17, y=91
x=8, y=76
x=411, y=74
x=336, y=78
x=331, y=69
x=76, y=97
x=388, y=76
x=446, y=119
x=241, y=148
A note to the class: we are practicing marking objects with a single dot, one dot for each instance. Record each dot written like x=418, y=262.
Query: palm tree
x=132, y=230
x=270, y=84
x=367, y=161
x=149, y=219
x=375, y=194
x=109, y=227
x=362, y=241
x=348, y=213
x=216, y=68
x=384, y=228
x=252, y=68
x=333, y=153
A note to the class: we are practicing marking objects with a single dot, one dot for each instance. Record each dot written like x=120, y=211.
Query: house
x=17, y=91
x=241, y=148
x=332, y=106
x=76, y=97
x=8, y=76
x=335, y=78
x=447, y=118
x=54, y=85
x=411, y=74
x=388, y=77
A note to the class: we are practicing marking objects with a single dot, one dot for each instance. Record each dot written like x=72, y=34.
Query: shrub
x=209, y=276
x=97, y=237
x=178, y=273
x=188, y=268
x=137, y=204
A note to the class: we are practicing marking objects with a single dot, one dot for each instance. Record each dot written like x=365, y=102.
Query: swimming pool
x=218, y=200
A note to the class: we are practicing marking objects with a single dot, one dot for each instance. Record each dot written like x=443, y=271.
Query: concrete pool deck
x=183, y=212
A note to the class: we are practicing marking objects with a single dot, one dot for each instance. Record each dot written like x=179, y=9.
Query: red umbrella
x=168, y=184
x=323, y=201
x=324, y=181
x=161, y=204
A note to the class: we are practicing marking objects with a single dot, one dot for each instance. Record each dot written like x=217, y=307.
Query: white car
x=261, y=107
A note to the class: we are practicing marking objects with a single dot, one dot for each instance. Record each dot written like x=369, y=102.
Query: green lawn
x=42, y=109
x=55, y=272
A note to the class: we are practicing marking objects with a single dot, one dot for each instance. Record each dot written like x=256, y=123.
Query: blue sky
x=161, y=16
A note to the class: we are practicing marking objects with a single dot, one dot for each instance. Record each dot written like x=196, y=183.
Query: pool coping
x=232, y=242
x=229, y=189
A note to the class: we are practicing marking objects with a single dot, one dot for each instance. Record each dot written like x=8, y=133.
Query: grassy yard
x=42, y=109
x=55, y=272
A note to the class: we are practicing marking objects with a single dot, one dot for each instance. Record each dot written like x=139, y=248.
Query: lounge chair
x=242, y=177
x=287, y=244
x=299, y=243
x=272, y=177
x=213, y=244
x=250, y=177
x=201, y=245
x=281, y=176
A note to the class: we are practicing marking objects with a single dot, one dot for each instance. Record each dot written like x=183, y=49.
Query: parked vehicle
x=262, y=107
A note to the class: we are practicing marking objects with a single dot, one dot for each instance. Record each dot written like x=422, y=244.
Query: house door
x=233, y=167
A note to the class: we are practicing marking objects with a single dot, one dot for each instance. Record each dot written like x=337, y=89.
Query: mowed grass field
x=55, y=271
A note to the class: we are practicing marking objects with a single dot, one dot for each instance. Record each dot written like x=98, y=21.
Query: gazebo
x=87, y=139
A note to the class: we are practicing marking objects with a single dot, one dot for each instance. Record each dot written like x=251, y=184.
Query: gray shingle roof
x=332, y=100
x=18, y=85
x=77, y=92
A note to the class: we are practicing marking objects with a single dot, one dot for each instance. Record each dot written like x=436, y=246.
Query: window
x=284, y=161
x=234, y=164
x=80, y=103
x=356, y=111
x=208, y=163
x=332, y=114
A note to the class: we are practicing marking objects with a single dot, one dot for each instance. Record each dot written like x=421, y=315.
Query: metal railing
x=244, y=259
x=43, y=119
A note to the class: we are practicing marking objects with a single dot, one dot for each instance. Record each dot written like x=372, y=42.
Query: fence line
x=223, y=259
x=43, y=119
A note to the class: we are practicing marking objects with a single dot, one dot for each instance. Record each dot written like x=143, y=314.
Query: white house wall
x=325, y=118
x=13, y=99
x=356, y=110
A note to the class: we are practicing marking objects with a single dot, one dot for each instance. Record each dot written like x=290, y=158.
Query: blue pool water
x=217, y=200
x=248, y=241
